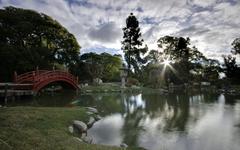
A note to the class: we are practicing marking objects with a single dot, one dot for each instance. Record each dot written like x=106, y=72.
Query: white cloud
x=106, y=33
x=211, y=24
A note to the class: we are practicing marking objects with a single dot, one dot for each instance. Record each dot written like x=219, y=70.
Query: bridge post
x=6, y=93
x=37, y=70
x=33, y=73
x=15, y=76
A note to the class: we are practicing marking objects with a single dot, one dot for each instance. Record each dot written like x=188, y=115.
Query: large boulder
x=80, y=126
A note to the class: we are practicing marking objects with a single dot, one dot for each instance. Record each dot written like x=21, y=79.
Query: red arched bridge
x=41, y=78
x=31, y=83
x=36, y=80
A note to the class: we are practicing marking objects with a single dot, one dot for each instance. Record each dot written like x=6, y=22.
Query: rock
x=0, y=106
x=97, y=81
x=89, y=113
x=77, y=139
x=70, y=129
x=80, y=126
x=91, y=122
x=87, y=139
x=98, y=117
x=123, y=145
x=93, y=110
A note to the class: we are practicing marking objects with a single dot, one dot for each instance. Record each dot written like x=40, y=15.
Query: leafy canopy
x=29, y=39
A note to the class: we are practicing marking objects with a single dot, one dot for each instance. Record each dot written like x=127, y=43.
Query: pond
x=182, y=121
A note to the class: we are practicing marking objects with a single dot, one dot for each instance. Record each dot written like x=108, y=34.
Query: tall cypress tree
x=131, y=44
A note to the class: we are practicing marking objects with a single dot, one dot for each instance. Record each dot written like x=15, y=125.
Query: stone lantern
x=123, y=75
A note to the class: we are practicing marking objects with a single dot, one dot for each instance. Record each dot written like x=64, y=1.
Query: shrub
x=132, y=81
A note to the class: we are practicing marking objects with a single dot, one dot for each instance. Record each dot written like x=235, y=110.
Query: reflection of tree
x=172, y=110
x=231, y=99
x=154, y=104
x=180, y=106
x=132, y=128
x=109, y=103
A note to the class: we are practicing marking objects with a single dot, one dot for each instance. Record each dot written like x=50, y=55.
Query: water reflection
x=182, y=121
x=108, y=130
x=179, y=121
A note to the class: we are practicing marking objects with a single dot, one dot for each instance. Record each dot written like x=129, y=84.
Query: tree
x=132, y=43
x=112, y=65
x=236, y=46
x=94, y=64
x=154, y=57
x=211, y=70
x=29, y=39
x=230, y=66
x=104, y=66
x=184, y=57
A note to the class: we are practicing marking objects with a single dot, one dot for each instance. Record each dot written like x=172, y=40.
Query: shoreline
x=43, y=127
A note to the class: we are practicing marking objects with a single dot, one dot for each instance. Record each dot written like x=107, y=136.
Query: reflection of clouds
x=153, y=136
x=214, y=130
x=134, y=102
x=175, y=124
x=108, y=130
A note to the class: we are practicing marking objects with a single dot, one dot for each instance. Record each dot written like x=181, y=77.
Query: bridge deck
x=16, y=93
x=15, y=89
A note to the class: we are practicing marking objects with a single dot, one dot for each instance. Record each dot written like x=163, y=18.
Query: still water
x=182, y=121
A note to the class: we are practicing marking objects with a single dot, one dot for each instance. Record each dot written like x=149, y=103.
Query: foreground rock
x=70, y=129
x=91, y=122
x=123, y=145
x=77, y=139
x=92, y=110
x=98, y=117
x=80, y=126
x=87, y=139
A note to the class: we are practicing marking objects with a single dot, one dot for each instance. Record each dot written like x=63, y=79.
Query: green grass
x=34, y=128
x=111, y=87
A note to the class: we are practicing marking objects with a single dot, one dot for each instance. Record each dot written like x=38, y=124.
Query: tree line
x=176, y=61
x=29, y=39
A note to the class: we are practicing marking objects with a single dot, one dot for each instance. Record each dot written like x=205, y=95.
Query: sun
x=166, y=62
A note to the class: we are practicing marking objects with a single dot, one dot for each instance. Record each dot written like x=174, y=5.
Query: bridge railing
x=54, y=74
x=39, y=75
x=28, y=76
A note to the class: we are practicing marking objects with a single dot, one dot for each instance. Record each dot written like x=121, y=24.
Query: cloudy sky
x=211, y=24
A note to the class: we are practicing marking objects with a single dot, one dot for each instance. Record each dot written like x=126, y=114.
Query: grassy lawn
x=111, y=87
x=34, y=128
